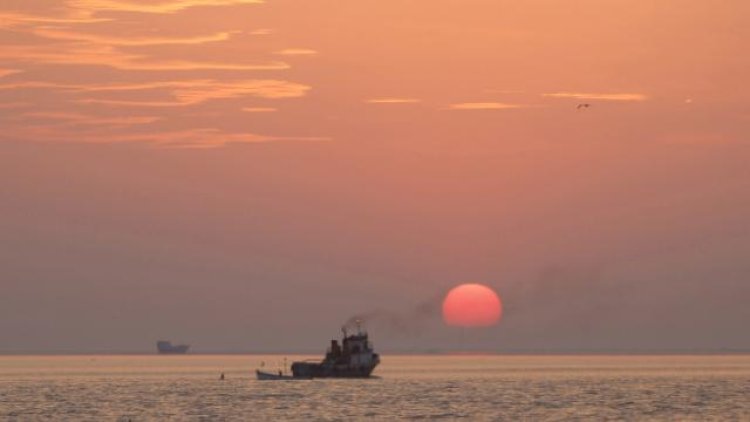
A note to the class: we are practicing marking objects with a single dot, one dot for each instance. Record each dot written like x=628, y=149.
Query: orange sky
x=385, y=150
x=160, y=73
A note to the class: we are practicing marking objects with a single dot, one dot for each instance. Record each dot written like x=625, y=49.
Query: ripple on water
x=508, y=389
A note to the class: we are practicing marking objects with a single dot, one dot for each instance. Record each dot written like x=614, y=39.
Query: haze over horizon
x=246, y=175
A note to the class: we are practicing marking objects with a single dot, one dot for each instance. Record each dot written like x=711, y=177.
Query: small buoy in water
x=221, y=378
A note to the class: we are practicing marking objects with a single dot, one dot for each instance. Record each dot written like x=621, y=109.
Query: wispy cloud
x=599, y=96
x=111, y=57
x=40, y=85
x=154, y=74
x=187, y=138
x=131, y=103
x=297, y=52
x=393, y=100
x=133, y=41
x=155, y=6
x=15, y=19
x=199, y=91
x=485, y=106
x=8, y=72
x=212, y=89
x=191, y=91
x=89, y=120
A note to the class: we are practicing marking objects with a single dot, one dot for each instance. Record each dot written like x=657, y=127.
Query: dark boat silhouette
x=167, y=348
x=353, y=358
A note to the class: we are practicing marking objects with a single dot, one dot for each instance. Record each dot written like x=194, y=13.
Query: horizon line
x=582, y=352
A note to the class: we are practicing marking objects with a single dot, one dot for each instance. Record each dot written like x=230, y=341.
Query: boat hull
x=167, y=348
x=268, y=376
x=323, y=370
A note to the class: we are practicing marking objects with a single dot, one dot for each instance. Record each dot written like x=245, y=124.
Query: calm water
x=410, y=387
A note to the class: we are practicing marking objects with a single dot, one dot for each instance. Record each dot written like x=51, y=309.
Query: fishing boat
x=353, y=358
x=167, y=348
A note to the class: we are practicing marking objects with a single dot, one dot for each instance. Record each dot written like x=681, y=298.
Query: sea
x=414, y=387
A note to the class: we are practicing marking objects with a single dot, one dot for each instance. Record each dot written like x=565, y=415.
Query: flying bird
x=584, y=105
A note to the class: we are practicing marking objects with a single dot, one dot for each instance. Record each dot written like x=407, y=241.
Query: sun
x=472, y=305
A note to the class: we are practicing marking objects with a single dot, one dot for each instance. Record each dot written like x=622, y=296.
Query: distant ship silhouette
x=167, y=348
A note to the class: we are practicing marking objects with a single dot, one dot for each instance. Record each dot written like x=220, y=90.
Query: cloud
x=132, y=103
x=108, y=56
x=257, y=88
x=59, y=39
x=155, y=6
x=27, y=85
x=598, y=96
x=84, y=11
x=485, y=106
x=187, y=138
x=186, y=92
x=68, y=118
x=297, y=52
x=194, y=92
x=8, y=72
x=12, y=19
x=214, y=138
x=393, y=100
x=37, y=84
x=130, y=41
